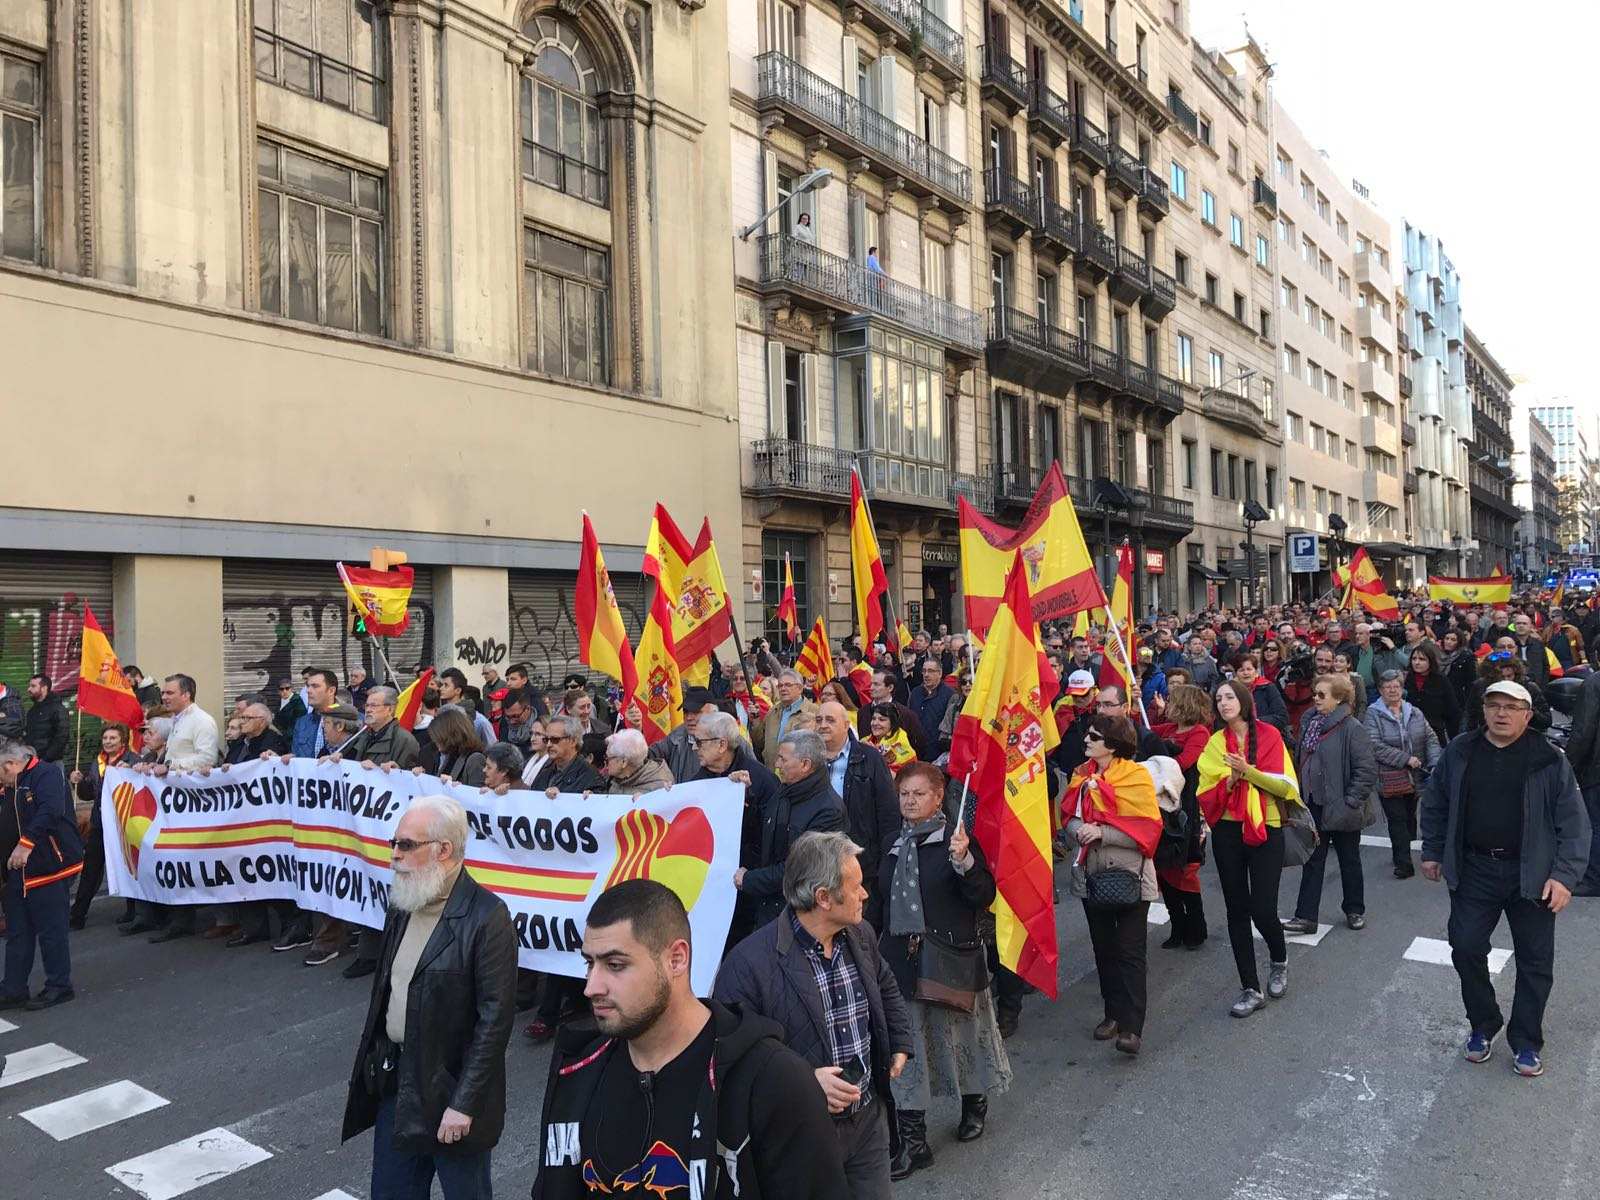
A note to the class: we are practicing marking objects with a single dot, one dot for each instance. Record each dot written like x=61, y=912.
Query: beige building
x=286, y=281
x=1341, y=395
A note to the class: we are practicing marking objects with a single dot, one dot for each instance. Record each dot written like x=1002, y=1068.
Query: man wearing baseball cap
x=1504, y=825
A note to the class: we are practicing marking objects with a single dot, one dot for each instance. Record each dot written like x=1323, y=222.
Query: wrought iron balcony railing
x=1262, y=196
x=1183, y=114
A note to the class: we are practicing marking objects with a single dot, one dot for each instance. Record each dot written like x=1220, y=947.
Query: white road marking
x=23, y=1065
x=183, y=1166
x=1300, y=939
x=93, y=1109
x=6, y=1026
x=336, y=1194
x=1432, y=950
x=1383, y=843
x=1158, y=913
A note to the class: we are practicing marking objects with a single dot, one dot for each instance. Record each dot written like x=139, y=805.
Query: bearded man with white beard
x=429, y=1075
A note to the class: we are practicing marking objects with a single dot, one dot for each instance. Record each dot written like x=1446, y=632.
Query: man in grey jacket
x=1503, y=824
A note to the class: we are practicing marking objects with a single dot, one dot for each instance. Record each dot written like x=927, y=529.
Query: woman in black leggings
x=1245, y=774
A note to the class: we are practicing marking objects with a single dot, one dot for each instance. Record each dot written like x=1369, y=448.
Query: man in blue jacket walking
x=41, y=854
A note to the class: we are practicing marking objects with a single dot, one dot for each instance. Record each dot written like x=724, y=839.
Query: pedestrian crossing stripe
x=1432, y=950
x=183, y=1166
x=1380, y=842
x=336, y=1194
x=23, y=1065
x=94, y=1109
x=6, y=1026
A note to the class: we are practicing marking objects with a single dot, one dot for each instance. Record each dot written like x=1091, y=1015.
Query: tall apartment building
x=281, y=282
x=1338, y=338
x=1570, y=430
x=1491, y=473
x=1533, y=459
x=1441, y=408
x=856, y=334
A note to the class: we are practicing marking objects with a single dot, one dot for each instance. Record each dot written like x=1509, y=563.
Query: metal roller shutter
x=278, y=617
x=41, y=623
x=543, y=633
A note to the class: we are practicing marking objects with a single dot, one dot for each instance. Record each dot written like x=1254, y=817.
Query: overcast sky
x=1470, y=120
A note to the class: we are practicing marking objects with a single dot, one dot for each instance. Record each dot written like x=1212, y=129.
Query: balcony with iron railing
x=978, y=490
x=1154, y=197
x=1163, y=296
x=910, y=22
x=1131, y=279
x=1408, y=434
x=813, y=103
x=1233, y=409
x=1126, y=174
x=1004, y=79
x=1149, y=507
x=1048, y=114
x=1088, y=146
x=1031, y=352
x=1099, y=254
x=1186, y=117
x=1008, y=201
x=1105, y=368
x=1016, y=483
x=945, y=46
x=1263, y=196
x=1169, y=395
x=800, y=468
x=831, y=281
x=1058, y=229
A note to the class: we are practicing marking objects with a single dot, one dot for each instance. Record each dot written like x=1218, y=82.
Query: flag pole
x=891, y=616
x=1133, y=679
x=77, y=739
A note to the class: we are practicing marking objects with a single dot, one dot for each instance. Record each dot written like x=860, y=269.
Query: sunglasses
x=407, y=845
x=1092, y=736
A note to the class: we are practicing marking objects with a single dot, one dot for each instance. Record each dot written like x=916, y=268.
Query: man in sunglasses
x=567, y=770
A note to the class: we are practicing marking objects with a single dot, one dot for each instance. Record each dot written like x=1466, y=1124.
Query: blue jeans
x=401, y=1175
x=37, y=919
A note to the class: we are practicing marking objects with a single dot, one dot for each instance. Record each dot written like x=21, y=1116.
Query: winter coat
x=653, y=776
x=36, y=813
x=951, y=902
x=46, y=728
x=678, y=753
x=764, y=733
x=1397, y=740
x=578, y=775
x=393, y=744
x=11, y=724
x=761, y=791
x=930, y=710
x=1270, y=705
x=1340, y=776
x=807, y=805
x=1437, y=700
x=1555, y=823
x=871, y=817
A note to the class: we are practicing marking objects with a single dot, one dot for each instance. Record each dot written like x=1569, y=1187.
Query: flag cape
x=1114, y=667
x=103, y=691
x=815, y=663
x=381, y=597
x=659, y=687
x=1489, y=589
x=868, y=579
x=1060, y=574
x=1125, y=799
x=788, y=611
x=1223, y=799
x=697, y=593
x=602, y=639
x=1001, y=740
x=1362, y=583
x=409, y=705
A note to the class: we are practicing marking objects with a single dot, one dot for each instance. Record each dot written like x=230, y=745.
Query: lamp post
x=1459, y=543
x=1254, y=514
x=1336, y=527
x=806, y=183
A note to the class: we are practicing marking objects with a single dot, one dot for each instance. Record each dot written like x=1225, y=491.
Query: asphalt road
x=1352, y=1087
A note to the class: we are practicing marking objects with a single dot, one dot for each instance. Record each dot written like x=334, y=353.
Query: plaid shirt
x=844, y=1004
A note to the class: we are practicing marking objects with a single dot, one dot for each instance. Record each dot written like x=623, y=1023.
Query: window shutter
x=849, y=56
x=886, y=75
x=808, y=393
x=858, y=227
x=775, y=420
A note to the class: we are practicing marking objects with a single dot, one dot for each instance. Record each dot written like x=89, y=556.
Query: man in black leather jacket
x=430, y=1072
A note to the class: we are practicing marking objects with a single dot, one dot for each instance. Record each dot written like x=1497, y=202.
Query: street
x=224, y=1073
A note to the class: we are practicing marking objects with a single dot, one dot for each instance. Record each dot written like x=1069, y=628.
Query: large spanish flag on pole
x=409, y=706
x=697, y=593
x=870, y=581
x=1363, y=584
x=103, y=690
x=381, y=597
x=1490, y=589
x=659, y=689
x=788, y=610
x=1001, y=739
x=1060, y=574
x=602, y=640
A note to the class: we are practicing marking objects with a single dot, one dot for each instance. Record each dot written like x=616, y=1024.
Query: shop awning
x=1211, y=573
x=1396, y=549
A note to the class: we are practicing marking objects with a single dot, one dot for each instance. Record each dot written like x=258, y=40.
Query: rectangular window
x=567, y=289
x=1155, y=458
x=1213, y=286
x=1208, y=208
x=1270, y=499
x=1191, y=454
x=1185, y=358
x=1263, y=250
x=935, y=268
x=1180, y=180
x=1344, y=285
x=1289, y=296
x=1180, y=267
x=330, y=50
x=1297, y=428
x=1238, y=308
x=320, y=239
x=21, y=151
x=1216, y=472
x=1291, y=361
x=1297, y=494
x=1047, y=446
x=774, y=548
x=564, y=141
x=1086, y=324
x=1249, y=480
x=1233, y=157
x=1233, y=477
x=1205, y=130
x=1265, y=323
x=1217, y=366
x=1342, y=228
x=1236, y=230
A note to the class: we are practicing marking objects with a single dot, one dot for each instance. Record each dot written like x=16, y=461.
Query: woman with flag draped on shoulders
x=1247, y=779
x=1111, y=812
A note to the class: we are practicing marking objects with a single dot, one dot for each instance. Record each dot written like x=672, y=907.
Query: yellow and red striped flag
x=1489, y=589
x=697, y=593
x=1363, y=584
x=103, y=690
x=409, y=706
x=871, y=583
x=815, y=663
x=659, y=689
x=788, y=610
x=1114, y=666
x=1561, y=590
x=602, y=639
x=381, y=597
x=1002, y=737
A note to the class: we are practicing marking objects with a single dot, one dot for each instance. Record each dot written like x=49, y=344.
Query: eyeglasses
x=1092, y=736
x=1512, y=707
x=698, y=742
x=555, y=737
x=406, y=845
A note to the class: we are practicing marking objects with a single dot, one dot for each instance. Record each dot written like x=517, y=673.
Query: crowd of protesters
x=860, y=974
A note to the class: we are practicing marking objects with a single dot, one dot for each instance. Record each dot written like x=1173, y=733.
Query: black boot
x=915, y=1153
x=974, y=1110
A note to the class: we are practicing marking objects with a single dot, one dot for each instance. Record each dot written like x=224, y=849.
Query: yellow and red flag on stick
x=409, y=706
x=1060, y=573
x=602, y=639
x=815, y=662
x=870, y=581
x=1561, y=590
x=1364, y=585
x=103, y=690
x=1115, y=670
x=1489, y=589
x=697, y=593
x=788, y=610
x=381, y=597
x=659, y=689
x=1001, y=740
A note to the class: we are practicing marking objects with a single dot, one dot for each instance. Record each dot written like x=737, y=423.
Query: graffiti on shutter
x=544, y=633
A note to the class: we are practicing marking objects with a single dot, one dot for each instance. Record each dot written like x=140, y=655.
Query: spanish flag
x=1363, y=584
x=1001, y=740
x=659, y=686
x=381, y=597
x=815, y=663
x=1115, y=670
x=697, y=593
x=1561, y=590
x=1060, y=574
x=1225, y=798
x=103, y=691
x=1124, y=797
x=409, y=705
x=602, y=640
x=871, y=582
x=1490, y=589
x=788, y=610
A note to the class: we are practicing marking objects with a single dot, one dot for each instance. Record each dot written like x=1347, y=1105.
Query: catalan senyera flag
x=602, y=639
x=675, y=853
x=1114, y=667
x=697, y=593
x=1001, y=740
x=867, y=576
x=382, y=597
x=788, y=610
x=815, y=662
x=1060, y=573
x=103, y=691
x=1364, y=585
x=1489, y=589
x=659, y=688
x=409, y=705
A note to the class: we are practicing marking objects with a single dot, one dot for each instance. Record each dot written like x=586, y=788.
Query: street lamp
x=1254, y=514
x=1336, y=527
x=1459, y=543
x=806, y=183
x=1109, y=495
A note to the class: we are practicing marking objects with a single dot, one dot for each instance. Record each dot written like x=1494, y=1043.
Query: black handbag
x=945, y=974
x=1113, y=888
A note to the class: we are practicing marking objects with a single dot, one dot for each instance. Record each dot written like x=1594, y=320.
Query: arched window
x=563, y=134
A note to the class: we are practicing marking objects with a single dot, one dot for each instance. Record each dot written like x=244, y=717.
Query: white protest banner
x=318, y=834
